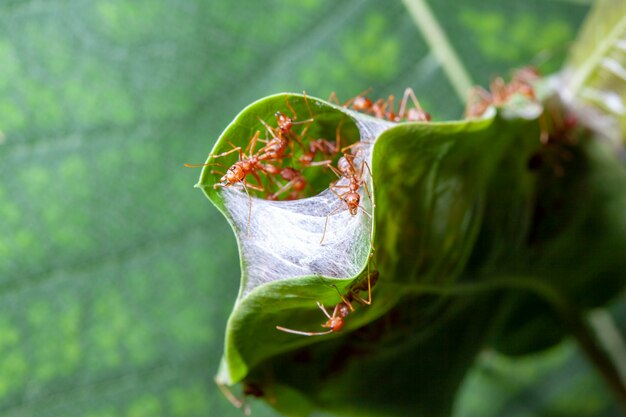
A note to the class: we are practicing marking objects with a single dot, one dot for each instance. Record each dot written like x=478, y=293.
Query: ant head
x=306, y=158
x=299, y=183
x=361, y=103
x=352, y=200
x=234, y=174
x=284, y=122
x=288, y=173
x=335, y=323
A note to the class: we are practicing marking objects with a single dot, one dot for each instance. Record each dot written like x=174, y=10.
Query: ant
x=352, y=198
x=247, y=164
x=336, y=321
x=385, y=109
x=363, y=104
x=252, y=163
x=500, y=92
x=276, y=147
x=285, y=123
x=295, y=181
x=237, y=172
x=323, y=147
x=413, y=114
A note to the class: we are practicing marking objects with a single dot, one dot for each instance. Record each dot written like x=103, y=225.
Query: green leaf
x=446, y=169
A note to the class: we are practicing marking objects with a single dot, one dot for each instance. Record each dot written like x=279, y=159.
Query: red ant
x=275, y=148
x=237, y=173
x=500, y=92
x=415, y=113
x=336, y=321
x=363, y=104
x=285, y=123
x=295, y=181
x=352, y=198
x=385, y=109
x=323, y=147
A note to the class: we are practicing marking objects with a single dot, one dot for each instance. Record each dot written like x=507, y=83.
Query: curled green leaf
x=428, y=187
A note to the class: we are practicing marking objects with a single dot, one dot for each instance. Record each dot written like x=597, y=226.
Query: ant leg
x=478, y=100
x=338, y=137
x=336, y=171
x=365, y=211
x=361, y=94
x=252, y=143
x=307, y=105
x=259, y=188
x=258, y=181
x=293, y=112
x=205, y=165
x=332, y=98
x=295, y=115
x=365, y=164
x=343, y=298
x=409, y=94
x=498, y=90
x=367, y=190
x=235, y=149
x=371, y=229
x=405, y=98
x=284, y=188
x=331, y=188
x=373, y=206
x=321, y=307
x=481, y=93
x=301, y=333
x=308, y=122
x=321, y=163
x=326, y=223
x=370, y=277
x=389, y=108
x=249, y=208
x=270, y=129
x=355, y=144
x=369, y=286
x=228, y=394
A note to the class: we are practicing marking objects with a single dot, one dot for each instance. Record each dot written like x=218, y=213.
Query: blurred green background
x=116, y=276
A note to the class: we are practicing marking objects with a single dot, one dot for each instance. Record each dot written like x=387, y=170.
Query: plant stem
x=440, y=46
x=567, y=311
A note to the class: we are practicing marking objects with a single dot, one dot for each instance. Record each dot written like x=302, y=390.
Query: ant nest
x=311, y=236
